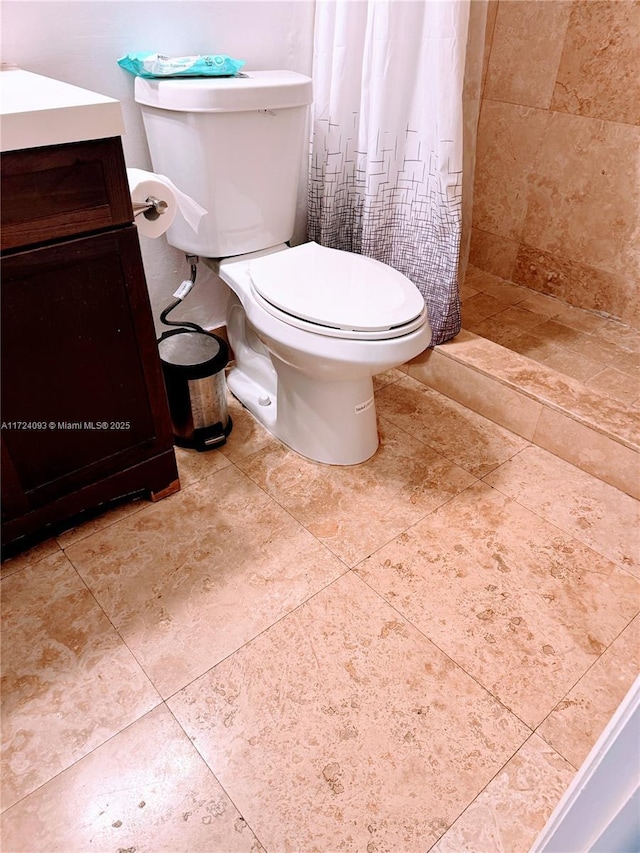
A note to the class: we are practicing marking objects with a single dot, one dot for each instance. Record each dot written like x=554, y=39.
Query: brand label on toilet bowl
x=362, y=407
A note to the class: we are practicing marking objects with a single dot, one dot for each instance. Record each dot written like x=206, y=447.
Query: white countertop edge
x=37, y=111
x=69, y=124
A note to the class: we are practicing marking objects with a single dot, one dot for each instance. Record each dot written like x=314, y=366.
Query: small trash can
x=193, y=363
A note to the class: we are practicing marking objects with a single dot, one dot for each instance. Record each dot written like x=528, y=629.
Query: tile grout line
x=81, y=758
x=562, y=530
x=588, y=335
x=446, y=654
x=496, y=774
x=210, y=770
x=575, y=684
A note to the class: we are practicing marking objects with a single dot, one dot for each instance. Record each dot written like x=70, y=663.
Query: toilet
x=309, y=326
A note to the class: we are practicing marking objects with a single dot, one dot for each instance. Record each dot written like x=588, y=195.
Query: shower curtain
x=386, y=153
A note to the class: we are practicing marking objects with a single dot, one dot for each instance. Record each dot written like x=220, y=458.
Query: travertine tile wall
x=471, y=99
x=556, y=202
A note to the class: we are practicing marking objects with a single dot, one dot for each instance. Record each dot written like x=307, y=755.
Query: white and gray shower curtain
x=386, y=156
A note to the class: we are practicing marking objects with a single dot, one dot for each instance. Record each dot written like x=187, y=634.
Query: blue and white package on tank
x=147, y=64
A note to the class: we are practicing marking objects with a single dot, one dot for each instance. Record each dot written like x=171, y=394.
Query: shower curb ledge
x=594, y=432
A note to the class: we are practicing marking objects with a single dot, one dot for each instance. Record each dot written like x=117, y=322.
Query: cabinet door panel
x=63, y=191
x=80, y=360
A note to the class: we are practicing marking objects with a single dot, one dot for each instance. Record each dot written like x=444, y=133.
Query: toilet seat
x=336, y=293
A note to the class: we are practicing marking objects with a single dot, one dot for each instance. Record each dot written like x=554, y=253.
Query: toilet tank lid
x=254, y=90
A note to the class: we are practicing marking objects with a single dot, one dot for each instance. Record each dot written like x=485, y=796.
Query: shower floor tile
x=579, y=343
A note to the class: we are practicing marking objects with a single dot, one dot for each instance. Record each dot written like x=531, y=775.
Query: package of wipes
x=146, y=64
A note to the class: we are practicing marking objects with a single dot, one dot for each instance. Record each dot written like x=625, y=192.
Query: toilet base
x=329, y=422
x=250, y=395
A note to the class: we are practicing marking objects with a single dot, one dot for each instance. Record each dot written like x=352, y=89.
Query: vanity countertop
x=37, y=111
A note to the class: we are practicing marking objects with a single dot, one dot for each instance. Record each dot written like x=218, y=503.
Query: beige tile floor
x=602, y=353
x=411, y=654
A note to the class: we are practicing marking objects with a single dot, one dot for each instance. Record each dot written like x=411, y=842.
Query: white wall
x=600, y=812
x=79, y=42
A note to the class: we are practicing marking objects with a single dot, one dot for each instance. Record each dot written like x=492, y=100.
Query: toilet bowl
x=309, y=328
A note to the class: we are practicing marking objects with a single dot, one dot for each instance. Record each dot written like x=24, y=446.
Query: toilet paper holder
x=152, y=207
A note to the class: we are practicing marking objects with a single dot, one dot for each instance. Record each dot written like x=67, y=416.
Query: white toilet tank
x=235, y=145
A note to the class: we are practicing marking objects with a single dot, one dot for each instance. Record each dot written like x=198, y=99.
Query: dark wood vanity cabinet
x=84, y=412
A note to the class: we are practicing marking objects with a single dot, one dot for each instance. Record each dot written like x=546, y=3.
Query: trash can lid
x=187, y=348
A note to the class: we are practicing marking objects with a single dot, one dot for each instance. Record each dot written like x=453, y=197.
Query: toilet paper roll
x=144, y=187
x=151, y=185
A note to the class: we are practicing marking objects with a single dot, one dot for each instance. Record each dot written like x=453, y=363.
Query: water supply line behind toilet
x=193, y=362
x=184, y=290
